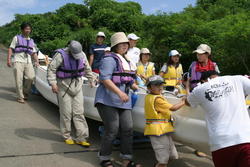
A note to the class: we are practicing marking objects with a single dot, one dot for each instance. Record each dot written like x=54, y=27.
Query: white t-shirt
x=20, y=57
x=133, y=55
x=227, y=118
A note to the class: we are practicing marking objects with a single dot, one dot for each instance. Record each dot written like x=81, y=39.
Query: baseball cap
x=76, y=49
x=203, y=48
x=100, y=34
x=145, y=51
x=173, y=53
x=133, y=36
x=155, y=80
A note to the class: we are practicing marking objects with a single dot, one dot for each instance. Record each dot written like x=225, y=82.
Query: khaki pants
x=164, y=148
x=23, y=71
x=71, y=108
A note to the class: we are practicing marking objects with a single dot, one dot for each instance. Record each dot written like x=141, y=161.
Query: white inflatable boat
x=190, y=126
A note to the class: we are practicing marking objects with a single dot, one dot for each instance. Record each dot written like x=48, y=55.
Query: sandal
x=133, y=164
x=21, y=101
x=106, y=163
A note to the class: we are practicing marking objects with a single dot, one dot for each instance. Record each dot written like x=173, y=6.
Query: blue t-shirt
x=98, y=52
x=105, y=96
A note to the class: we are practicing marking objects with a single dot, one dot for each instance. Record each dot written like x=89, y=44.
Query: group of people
x=123, y=67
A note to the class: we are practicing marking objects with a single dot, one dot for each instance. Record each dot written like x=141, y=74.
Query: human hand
x=37, y=64
x=123, y=96
x=54, y=88
x=9, y=63
x=92, y=84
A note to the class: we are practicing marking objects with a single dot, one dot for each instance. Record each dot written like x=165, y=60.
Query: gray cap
x=76, y=49
x=155, y=80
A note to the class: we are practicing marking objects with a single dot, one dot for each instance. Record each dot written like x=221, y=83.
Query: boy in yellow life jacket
x=159, y=122
x=172, y=71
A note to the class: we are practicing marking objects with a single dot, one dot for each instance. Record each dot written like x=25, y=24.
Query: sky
x=8, y=8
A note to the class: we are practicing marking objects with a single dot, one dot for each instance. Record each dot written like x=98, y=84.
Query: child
x=159, y=122
x=172, y=71
x=145, y=68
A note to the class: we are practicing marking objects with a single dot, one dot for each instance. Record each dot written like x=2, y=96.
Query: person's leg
x=225, y=157
x=82, y=130
x=244, y=155
x=29, y=75
x=65, y=104
x=110, y=118
x=126, y=133
x=161, y=148
x=173, y=151
x=18, y=74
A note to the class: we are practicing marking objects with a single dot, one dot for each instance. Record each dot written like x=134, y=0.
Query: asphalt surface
x=30, y=136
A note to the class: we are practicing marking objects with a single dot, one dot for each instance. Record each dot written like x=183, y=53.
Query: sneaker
x=83, y=143
x=69, y=141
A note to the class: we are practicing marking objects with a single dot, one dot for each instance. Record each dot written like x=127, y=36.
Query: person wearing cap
x=159, y=121
x=113, y=101
x=133, y=53
x=65, y=78
x=172, y=70
x=107, y=50
x=227, y=119
x=96, y=52
x=145, y=69
x=203, y=63
x=23, y=50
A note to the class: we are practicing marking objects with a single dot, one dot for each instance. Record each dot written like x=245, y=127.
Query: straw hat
x=117, y=38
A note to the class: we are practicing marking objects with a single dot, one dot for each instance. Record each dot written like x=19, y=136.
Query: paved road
x=30, y=137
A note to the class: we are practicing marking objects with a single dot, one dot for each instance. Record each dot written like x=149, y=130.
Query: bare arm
x=9, y=57
x=91, y=60
x=111, y=86
x=161, y=74
x=178, y=105
x=35, y=56
x=188, y=86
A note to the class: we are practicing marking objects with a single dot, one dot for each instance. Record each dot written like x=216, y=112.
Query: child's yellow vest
x=173, y=75
x=149, y=70
x=156, y=123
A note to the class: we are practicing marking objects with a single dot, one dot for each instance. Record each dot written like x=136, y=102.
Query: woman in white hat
x=203, y=64
x=113, y=101
x=172, y=70
x=145, y=69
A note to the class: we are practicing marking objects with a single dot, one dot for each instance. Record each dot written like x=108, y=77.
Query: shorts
x=233, y=156
x=164, y=148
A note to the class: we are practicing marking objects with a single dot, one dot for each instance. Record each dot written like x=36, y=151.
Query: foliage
x=222, y=24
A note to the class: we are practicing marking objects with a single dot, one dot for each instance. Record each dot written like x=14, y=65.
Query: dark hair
x=115, y=48
x=24, y=25
x=142, y=54
x=170, y=62
x=205, y=75
x=185, y=76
